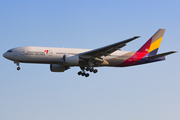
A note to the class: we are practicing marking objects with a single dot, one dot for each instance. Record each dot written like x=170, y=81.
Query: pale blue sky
x=146, y=92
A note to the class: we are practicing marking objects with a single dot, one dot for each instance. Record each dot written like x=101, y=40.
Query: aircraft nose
x=5, y=55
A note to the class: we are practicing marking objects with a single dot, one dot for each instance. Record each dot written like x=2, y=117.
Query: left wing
x=104, y=51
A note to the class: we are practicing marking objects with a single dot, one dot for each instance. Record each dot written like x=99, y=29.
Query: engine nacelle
x=58, y=68
x=71, y=60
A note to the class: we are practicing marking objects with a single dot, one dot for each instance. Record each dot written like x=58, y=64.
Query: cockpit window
x=9, y=51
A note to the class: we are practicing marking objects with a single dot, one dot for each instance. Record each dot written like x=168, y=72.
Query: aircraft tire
x=95, y=71
x=83, y=74
x=18, y=68
x=87, y=75
x=79, y=73
x=87, y=69
x=91, y=70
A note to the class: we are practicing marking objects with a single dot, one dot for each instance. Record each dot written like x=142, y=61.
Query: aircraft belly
x=40, y=59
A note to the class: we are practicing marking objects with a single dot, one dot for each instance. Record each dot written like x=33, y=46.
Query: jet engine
x=71, y=60
x=58, y=68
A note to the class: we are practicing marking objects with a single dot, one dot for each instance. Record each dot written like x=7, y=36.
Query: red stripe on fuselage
x=138, y=55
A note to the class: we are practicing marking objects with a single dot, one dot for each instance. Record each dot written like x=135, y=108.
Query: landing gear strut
x=83, y=73
x=17, y=63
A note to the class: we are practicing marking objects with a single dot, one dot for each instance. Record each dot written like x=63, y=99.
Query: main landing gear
x=83, y=73
x=17, y=63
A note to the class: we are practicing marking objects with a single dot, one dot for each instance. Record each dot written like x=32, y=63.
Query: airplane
x=61, y=59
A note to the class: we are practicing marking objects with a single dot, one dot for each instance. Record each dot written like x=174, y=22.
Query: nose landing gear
x=83, y=73
x=17, y=63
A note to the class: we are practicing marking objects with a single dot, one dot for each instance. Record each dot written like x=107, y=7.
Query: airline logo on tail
x=149, y=49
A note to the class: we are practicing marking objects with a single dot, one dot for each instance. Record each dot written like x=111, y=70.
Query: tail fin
x=152, y=45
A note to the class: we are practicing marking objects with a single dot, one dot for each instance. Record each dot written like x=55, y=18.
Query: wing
x=104, y=51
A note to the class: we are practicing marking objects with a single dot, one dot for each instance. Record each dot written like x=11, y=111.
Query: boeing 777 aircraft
x=61, y=59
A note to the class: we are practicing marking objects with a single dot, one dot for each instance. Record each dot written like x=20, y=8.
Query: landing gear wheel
x=18, y=68
x=91, y=70
x=79, y=73
x=83, y=74
x=95, y=71
x=84, y=69
x=87, y=75
x=87, y=69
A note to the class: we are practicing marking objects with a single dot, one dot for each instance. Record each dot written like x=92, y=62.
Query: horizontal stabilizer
x=161, y=55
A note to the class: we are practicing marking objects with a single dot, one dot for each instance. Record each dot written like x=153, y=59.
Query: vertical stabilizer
x=152, y=45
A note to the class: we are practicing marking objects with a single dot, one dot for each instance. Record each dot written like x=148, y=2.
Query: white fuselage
x=51, y=55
